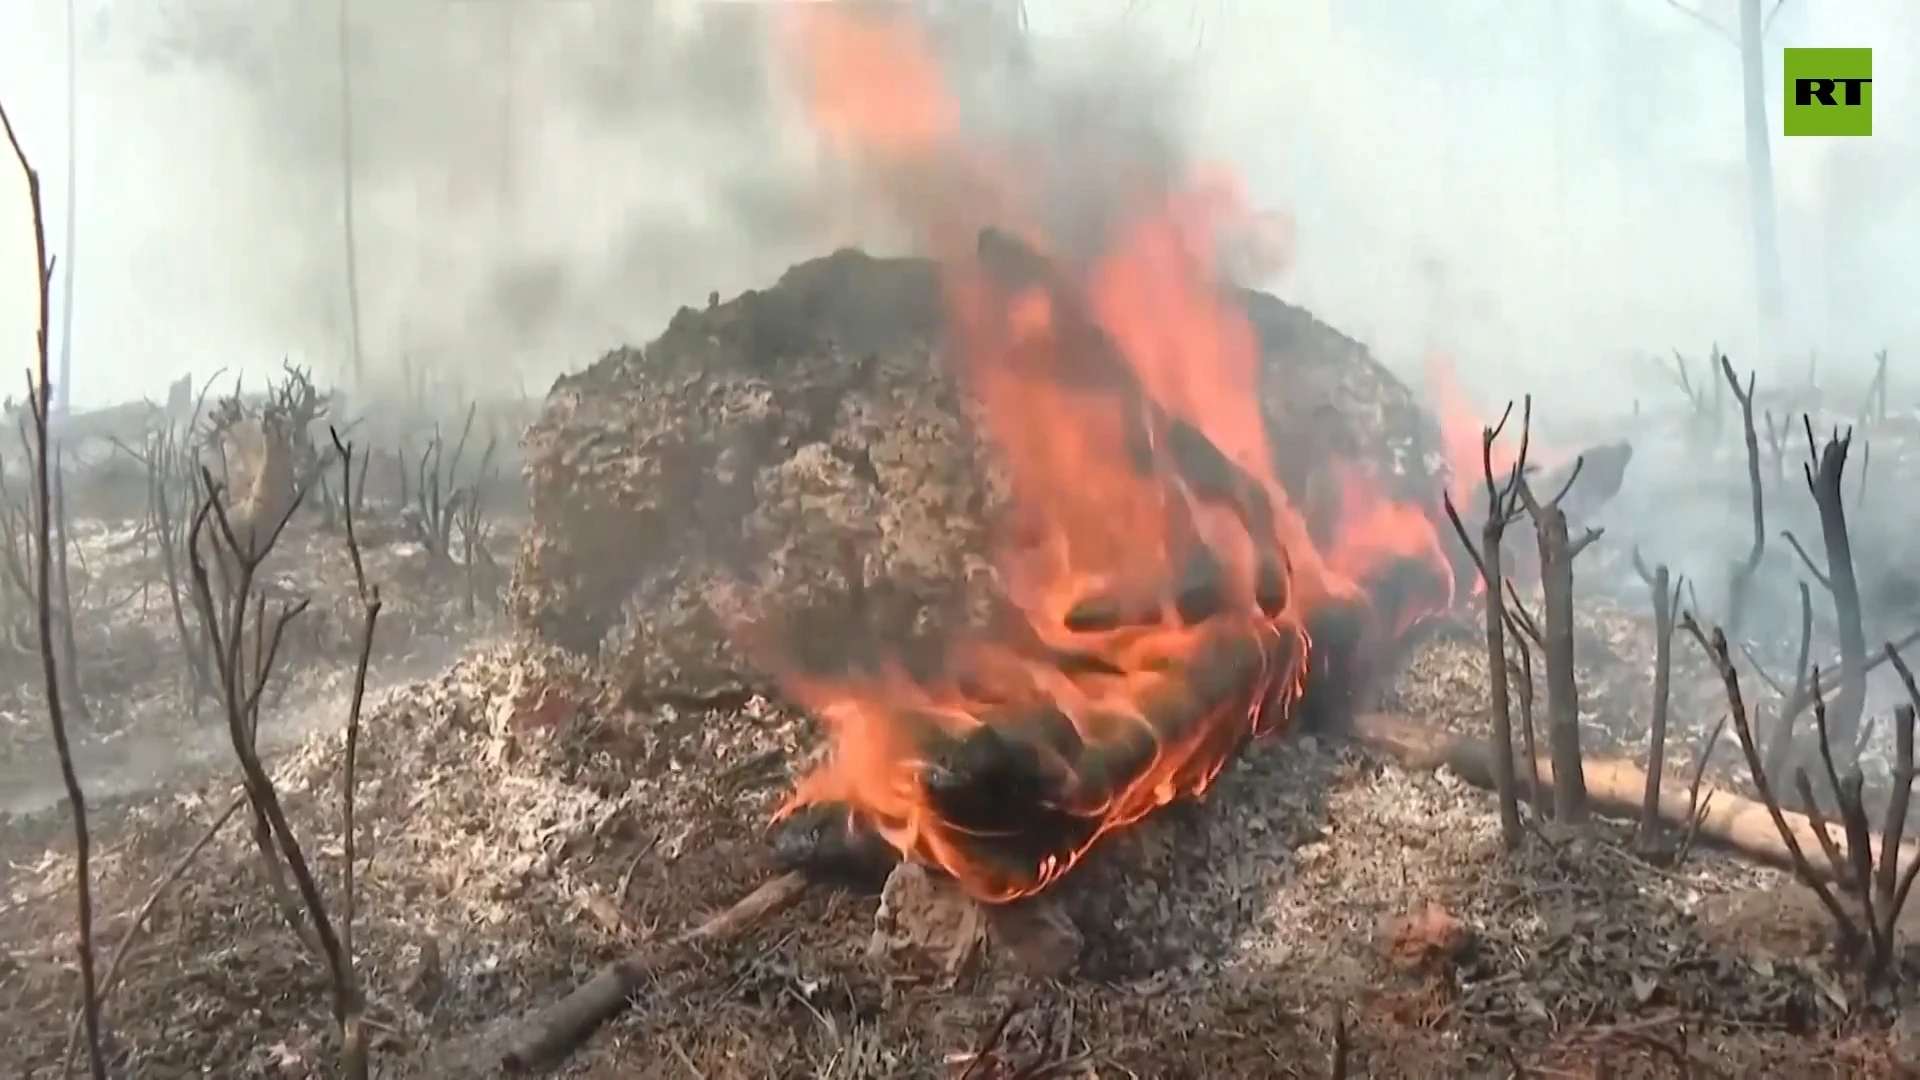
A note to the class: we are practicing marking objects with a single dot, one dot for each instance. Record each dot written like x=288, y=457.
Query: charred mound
x=798, y=457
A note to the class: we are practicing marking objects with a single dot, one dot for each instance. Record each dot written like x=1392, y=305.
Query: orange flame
x=1122, y=395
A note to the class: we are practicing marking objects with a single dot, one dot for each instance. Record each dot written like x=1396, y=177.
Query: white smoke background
x=1548, y=192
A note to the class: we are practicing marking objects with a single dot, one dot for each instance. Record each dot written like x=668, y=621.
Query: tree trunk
x=1662, y=695
x=1766, y=240
x=355, y=355
x=1504, y=783
x=1563, y=690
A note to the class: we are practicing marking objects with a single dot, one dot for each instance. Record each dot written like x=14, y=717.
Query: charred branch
x=1666, y=600
x=1741, y=580
x=349, y=1000
x=236, y=617
x=1715, y=646
x=1520, y=673
x=565, y=1026
x=433, y=495
x=40, y=396
x=1825, y=472
x=1557, y=552
x=1877, y=873
x=18, y=528
x=1502, y=510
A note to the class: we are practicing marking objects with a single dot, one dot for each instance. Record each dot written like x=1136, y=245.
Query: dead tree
x=40, y=396
x=433, y=496
x=1741, y=581
x=1502, y=511
x=1865, y=868
x=1874, y=408
x=17, y=524
x=170, y=487
x=1557, y=552
x=1666, y=600
x=1825, y=471
x=172, y=483
x=1703, y=399
x=236, y=617
x=1777, y=448
x=473, y=538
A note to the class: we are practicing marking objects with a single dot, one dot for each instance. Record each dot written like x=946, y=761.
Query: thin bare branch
x=40, y=394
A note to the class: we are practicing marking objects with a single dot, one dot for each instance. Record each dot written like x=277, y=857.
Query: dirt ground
x=519, y=830
x=1323, y=913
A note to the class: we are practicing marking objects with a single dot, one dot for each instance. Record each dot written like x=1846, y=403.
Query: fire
x=1163, y=581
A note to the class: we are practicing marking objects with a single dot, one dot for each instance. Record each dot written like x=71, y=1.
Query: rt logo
x=1829, y=92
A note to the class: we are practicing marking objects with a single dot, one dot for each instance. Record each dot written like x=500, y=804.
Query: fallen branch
x=566, y=1025
x=1727, y=819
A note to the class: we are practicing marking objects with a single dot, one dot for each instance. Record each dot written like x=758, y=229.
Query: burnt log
x=1028, y=787
x=720, y=476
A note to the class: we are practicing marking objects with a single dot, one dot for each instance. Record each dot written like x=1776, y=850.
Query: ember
x=1169, y=600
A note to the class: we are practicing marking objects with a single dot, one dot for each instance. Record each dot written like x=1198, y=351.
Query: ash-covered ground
x=526, y=817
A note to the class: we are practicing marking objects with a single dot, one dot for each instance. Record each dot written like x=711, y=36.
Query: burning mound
x=801, y=455
x=814, y=461
x=1059, y=606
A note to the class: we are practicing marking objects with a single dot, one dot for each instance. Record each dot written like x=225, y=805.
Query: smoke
x=1544, y=191
x=534, y=183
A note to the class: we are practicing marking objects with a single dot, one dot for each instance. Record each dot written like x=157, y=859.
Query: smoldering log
x=1103, y=613
x=1031, y=763
x=829, y=846
x=1338, y=633
x=1351, y=641
x=1025, y=786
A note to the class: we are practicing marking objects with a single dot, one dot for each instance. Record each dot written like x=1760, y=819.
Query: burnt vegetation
x=180, y=585
x=419, y=884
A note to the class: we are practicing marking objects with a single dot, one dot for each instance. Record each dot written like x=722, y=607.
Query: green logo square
x=1829, y=92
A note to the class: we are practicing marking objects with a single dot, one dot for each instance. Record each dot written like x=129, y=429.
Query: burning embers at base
x=1166, y=602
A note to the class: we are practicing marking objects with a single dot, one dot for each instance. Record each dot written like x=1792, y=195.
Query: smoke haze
x=1545, y=191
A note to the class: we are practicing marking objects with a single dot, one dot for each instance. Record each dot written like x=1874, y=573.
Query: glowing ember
x=1165, y=579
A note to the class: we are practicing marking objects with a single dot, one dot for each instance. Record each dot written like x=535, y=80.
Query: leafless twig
x=39, y=393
